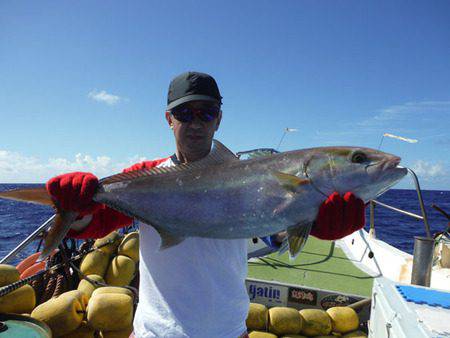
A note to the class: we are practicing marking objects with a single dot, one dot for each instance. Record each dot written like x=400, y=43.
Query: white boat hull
x=378, y=258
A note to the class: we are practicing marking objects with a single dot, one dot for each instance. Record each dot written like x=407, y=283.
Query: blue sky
x=84, y=83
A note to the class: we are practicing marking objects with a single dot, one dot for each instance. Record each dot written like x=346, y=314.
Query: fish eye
x=359, y=157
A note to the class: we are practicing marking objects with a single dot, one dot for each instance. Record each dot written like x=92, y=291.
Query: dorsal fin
x=218, y=154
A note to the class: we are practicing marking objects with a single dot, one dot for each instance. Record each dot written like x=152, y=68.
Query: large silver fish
x=221, y=196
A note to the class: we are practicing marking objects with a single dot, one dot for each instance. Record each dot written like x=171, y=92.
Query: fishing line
x=305, y=172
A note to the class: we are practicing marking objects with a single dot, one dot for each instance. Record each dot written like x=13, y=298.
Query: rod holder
x=422, y=261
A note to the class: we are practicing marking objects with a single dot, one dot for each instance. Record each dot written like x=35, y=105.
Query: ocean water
x=18, y=220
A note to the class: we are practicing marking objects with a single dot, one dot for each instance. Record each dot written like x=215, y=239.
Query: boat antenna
x=286, y=130
x=401, y=138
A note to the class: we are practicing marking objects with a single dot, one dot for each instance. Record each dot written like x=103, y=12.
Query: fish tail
x=34, y=195
x=57, y=232
x=61, y=223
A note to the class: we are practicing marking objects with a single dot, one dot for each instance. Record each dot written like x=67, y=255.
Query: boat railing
x=35, y=234
x=423, y=218
x=423, y=246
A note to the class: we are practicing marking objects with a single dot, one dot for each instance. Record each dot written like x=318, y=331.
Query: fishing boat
x=394, y=293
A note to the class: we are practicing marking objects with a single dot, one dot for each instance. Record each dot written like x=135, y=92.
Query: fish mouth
x=390, y=163
x=386, y=167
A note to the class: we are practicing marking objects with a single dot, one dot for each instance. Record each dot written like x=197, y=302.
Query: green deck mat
x=319, y=265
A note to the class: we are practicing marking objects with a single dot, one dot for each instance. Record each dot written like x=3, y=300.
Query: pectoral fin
x=290, y=182
x=57, y=232
x=296, y=239
x=168, y=240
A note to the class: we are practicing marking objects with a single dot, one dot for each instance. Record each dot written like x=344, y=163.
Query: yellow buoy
x=22, y=300
x=117, y=334
x=258, y=316
x=343, y=319
x=355, y=334
x=294, y=336
x=120, y=271
x=84, y=331
x=260, y=334
x=87, y=287
x=315, y=322
x=8, y=274
x=82, y=298
x=112, y=289
x=111, y=248
x=62, y=314
x=110, y=312
x=130, y=246
x=284, y=320
x=95, y=263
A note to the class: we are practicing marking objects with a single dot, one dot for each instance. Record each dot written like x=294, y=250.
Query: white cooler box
x=407, y=311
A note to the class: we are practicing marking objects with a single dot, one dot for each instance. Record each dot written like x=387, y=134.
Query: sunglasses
x=186, y=114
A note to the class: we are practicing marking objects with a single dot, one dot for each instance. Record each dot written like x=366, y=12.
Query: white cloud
x=103, y=96
x=429, y=171
x=18, y=168
x=408, y=111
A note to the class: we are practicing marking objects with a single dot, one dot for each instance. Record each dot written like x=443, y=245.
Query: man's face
x=194, y=137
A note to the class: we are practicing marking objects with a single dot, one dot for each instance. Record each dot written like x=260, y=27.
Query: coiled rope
x=4, y=290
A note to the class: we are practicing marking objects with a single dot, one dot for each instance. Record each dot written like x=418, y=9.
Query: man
x=196, y=288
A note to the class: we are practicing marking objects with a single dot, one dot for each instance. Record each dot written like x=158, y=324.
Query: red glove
x=74, y=192
x=339, y=217
x=103, y=222
x=144, y=165
x=137, y=166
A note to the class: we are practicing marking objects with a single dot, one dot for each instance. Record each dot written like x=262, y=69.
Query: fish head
x=366, y=172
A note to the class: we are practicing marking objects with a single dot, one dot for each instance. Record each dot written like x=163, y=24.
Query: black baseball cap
x=192, y=86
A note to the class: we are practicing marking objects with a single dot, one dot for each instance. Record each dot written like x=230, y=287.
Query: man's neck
x=186, y=158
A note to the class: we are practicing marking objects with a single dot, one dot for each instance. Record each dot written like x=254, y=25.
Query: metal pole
x=381, y=142
x=372, y=220
x=286, y=130
x=281, y=140
x=407, y=213
x=27, y=240
x=422, y=261
x=422, y=207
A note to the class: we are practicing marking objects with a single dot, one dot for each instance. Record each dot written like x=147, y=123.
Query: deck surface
x=320, y=265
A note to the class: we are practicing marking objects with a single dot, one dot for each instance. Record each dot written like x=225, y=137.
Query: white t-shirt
x=193, y=289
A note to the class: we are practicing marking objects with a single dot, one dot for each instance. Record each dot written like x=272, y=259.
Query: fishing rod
x=441, y=211
x=286, y=130
x=401, y=138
